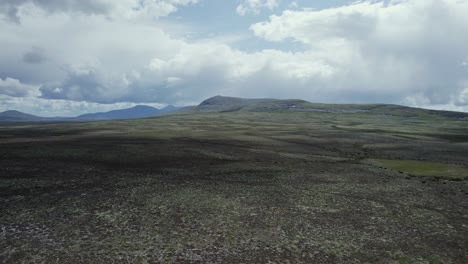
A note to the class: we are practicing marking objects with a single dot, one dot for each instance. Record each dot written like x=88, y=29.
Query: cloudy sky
x=67, y=57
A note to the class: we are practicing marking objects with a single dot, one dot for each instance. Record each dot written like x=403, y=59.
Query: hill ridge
x=220, y=103
x=223, y=104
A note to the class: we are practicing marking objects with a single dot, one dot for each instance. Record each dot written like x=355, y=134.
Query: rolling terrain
x=239, y=181
x=233, y=104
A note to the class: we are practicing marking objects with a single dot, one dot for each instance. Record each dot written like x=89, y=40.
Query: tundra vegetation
x=254, y=182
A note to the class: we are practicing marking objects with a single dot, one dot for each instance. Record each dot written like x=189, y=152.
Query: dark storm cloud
x=34, y=56
x=81, y=85
x=11, y=12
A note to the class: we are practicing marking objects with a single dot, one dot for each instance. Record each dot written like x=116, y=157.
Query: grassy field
x=425, y=168
x=236, y=187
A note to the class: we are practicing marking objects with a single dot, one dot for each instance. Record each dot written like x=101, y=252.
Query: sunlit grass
x=424, y=168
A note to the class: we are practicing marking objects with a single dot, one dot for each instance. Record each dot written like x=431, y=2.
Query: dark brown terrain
x=237, y=185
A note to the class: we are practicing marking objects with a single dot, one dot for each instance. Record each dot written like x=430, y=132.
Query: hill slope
x=232, y=104
x=13, y=116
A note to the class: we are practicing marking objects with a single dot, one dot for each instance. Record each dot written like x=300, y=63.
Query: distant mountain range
x=17, y=116
x=139, y=111
x=223, y=104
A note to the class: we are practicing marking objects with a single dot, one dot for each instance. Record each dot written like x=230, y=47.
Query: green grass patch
x=424, y=168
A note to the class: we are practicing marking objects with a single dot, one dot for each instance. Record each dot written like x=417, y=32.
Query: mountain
x=230, y=101
x=223, y=104
x=139, y=111
x=168, y=109
x=234, y=104
x=17, y=116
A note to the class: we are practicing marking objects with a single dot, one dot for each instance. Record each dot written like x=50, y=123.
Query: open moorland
x=242, y=184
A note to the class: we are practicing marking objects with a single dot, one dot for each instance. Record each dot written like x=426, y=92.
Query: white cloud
x=255, y=6
x=393, y=47
x=14, y=9
x=465, y=62
x=293, y=5
x=395, y=51
x=14, y=88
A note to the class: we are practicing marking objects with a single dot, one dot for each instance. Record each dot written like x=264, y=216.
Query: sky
x=69, y=57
